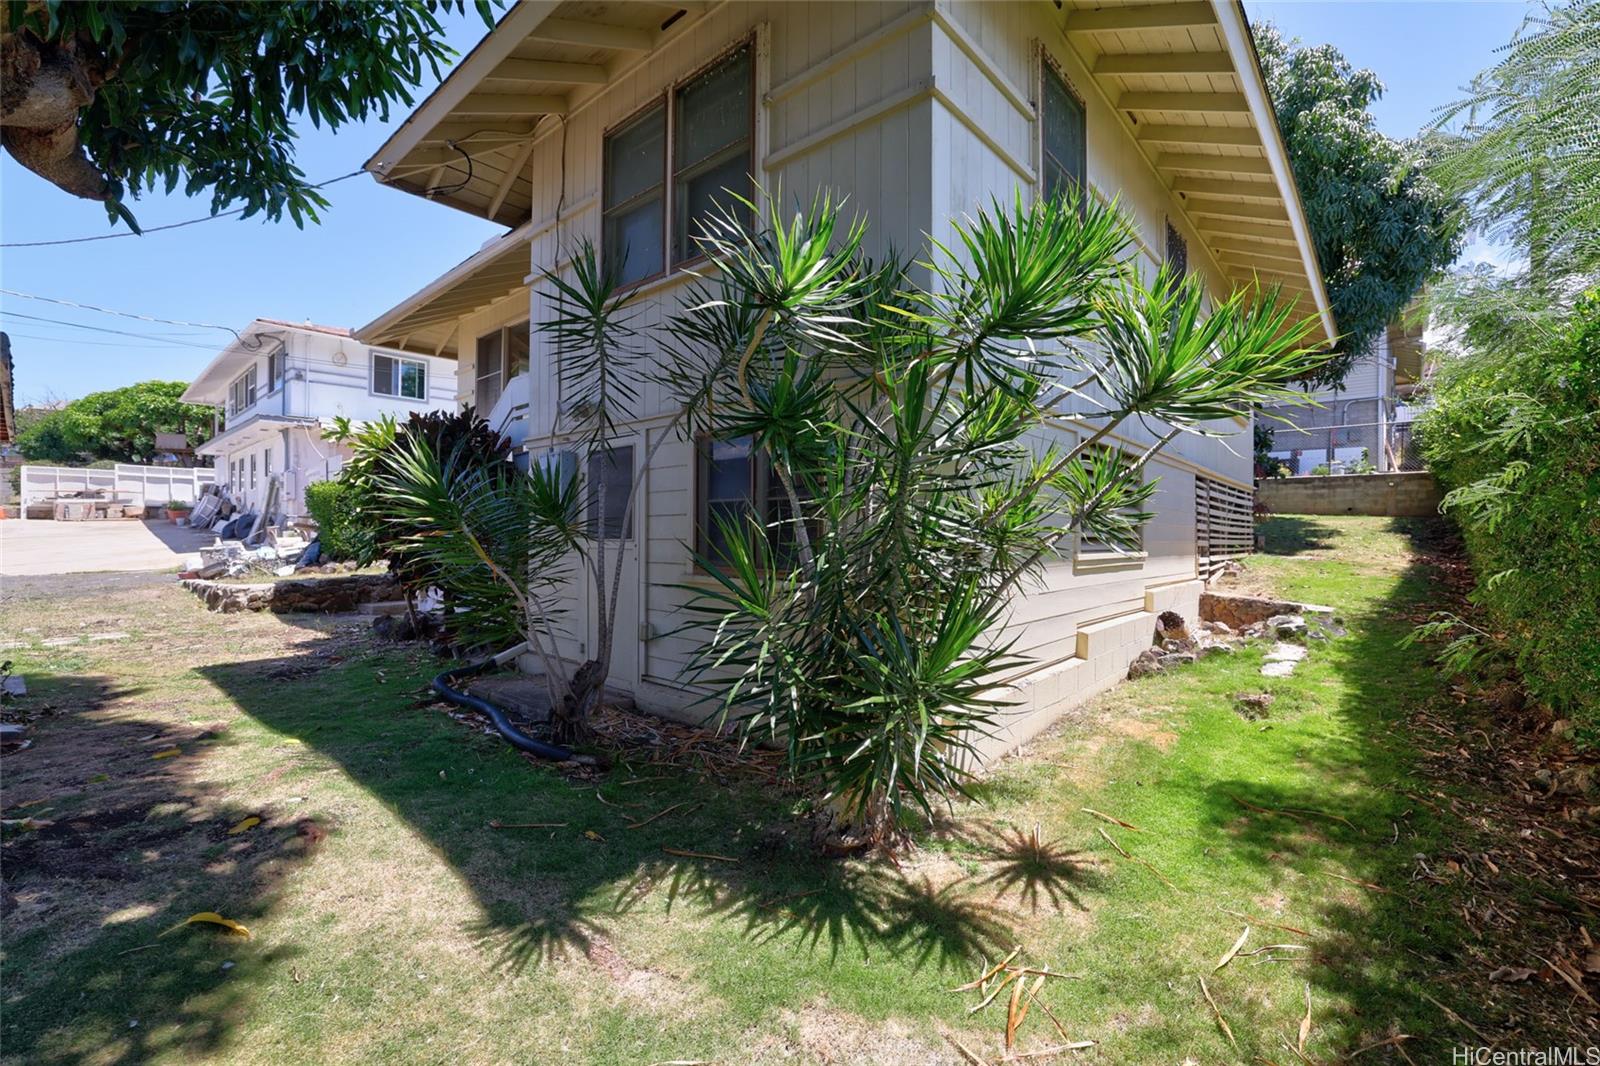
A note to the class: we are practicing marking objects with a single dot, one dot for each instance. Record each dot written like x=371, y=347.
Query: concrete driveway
x=39, y=546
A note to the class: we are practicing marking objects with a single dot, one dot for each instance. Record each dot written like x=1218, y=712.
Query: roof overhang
x=211, y=384
x=253, y=432
x=427, y=319
x=469, y=142
x=1185, y=79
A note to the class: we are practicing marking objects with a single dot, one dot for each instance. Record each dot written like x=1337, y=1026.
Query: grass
x=392, y=924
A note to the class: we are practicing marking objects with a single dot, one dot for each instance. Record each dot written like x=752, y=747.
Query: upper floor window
x=275, y=371
x=653, y=207
x=404, y=378
x=502, y=355
x=242, y=393
x=1177, y=254
x=1064, y=155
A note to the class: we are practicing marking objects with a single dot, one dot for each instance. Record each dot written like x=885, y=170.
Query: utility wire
x=168, y=226
x=119, y=314
x=102, y=329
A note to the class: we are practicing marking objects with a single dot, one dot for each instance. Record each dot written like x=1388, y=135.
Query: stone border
x=328, y=595
x=1240, y=612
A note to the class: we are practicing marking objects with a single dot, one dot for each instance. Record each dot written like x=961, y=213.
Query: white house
x=280, y=384
x=617, y=122
x=1363, y=423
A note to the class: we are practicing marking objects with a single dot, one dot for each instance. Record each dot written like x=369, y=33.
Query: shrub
x=343, y=535
x=1514, y=435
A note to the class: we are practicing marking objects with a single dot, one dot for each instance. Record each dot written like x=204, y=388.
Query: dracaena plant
x=938, y=446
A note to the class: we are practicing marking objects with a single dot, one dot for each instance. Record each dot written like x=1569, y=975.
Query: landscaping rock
x=1148, y=662
x=1286, y=653
x=313, y=596
x=1253, y=705
x=1170, y=626
x=1287, y=626
x=1242, y=611
x=1177, y=658
x=1279, y=669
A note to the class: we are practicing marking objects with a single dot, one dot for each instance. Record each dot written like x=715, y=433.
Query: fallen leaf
x=167, y=753
x=592, y=835
x=213, y=918
x=1305, y=1023
x=1237, y=944
x=244, y=826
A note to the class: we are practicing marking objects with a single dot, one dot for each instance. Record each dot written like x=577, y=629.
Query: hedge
x=333, y=505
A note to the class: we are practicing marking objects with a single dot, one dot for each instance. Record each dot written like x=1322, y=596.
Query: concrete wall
x=1410, y=494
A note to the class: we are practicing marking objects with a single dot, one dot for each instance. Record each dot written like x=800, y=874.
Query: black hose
x=514, y=736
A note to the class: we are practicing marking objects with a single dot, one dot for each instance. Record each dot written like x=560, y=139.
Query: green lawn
x=391, y=923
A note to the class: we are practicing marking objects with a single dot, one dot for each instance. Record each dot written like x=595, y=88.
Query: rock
x=1220, y=628
x=1177, y=658
x=1146, y=663
x=1286, y=626
x=1576, y=781
x=1178, y=645
x=311, y=596
x=1561, y=727
x=1253, y=705
x=1286, y=653
x=1279, y=669
x=1171, y=626
x=1208, y=648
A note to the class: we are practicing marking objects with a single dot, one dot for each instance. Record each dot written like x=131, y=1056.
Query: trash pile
x=260, y=547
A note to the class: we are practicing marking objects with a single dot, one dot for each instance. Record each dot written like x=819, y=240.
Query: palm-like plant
x=937, y=447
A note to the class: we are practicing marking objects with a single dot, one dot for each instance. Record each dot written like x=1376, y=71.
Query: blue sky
x=377, y=245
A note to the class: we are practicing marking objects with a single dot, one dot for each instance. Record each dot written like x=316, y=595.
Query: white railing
x=143, y=486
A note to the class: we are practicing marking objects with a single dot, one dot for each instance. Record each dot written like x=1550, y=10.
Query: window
x=405, y=378
x=233, y=475
x=252, y=473
x=614, y=469
x=502, y=355
x=266, y=462
x=709, y=120
x=1095, y=548
x=242, y=393
x=1064, y=157
x=275, y=371
x=1177, y=254
x=731, y=480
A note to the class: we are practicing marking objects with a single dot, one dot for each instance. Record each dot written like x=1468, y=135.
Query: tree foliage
x=1524, y=145
x=109, y=99
x=117, y=425
x=1381, y=225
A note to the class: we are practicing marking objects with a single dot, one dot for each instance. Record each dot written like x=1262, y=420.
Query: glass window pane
x=713, y=111
x=382, y=375
x=516, y=350
x=413, y=380
x=698, y=194
x=1064, y=140
x=635, y=157
x=488, y=372
x=614, y=469
x=633, y=239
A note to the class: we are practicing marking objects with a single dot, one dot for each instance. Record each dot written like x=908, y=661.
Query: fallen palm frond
x=1393, y=1041
x=1008, y=973
x=1305, y=1023
x=1231, y=952
x=1364, y=884
x=1562, y=973
x=1270, y=925
x=978, y=981
x=1134, y=858
x=1216, y=1012
x=1108, y=818
x=1046, y=1052
x=966, y=1053
x=1458, y=1019
x=662, y=814
x=699, y=855
x=1294, y=812
x=497, y=824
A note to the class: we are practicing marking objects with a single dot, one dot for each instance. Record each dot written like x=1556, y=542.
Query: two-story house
x=1362, y=425
x=278, y=385
x=622, y=122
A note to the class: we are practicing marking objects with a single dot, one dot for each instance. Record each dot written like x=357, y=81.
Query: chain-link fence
x=1361, y=448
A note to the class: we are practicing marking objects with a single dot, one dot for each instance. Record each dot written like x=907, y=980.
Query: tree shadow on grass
x=1294, y=534
x=553, y=893
x=1388, y=940
x=113, y=838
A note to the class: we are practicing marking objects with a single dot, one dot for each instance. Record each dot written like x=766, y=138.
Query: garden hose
x=514, y=736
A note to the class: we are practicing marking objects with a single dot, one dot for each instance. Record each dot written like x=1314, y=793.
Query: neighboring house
x=1364, y=425
x=620, y=122
x=280, y=384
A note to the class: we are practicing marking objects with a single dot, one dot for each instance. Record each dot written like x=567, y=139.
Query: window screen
x=711, y=148
x=613, y=469
x=634, y=204
x=489, y=377
x=1065, y=144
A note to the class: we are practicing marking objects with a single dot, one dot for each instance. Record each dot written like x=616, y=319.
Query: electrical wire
x=159, y=229
x=119, y=314
x=104, y=329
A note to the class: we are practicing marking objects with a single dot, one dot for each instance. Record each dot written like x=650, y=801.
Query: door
x=608, y=479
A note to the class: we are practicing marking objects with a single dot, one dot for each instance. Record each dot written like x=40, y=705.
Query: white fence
x=147, y=486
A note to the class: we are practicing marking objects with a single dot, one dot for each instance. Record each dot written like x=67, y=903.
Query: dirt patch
x=645, y=987
x=819, y=1033
x=1148, y=732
